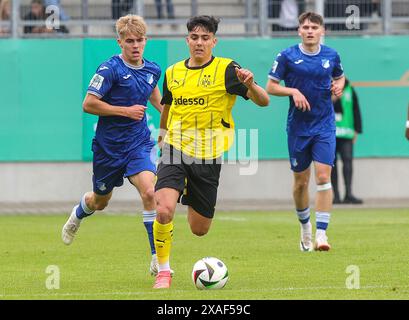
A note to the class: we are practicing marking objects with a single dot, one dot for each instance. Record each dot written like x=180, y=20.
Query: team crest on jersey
x=205, y=81
x=149, y=78
x=325, y=63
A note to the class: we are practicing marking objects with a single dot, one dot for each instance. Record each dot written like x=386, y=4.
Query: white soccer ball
x=209, y=273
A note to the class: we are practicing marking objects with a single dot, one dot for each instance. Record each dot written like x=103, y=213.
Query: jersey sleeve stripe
x=200, y=77
x=184, y=78
x=94, y=93
x=215, y=72
x=274, y=78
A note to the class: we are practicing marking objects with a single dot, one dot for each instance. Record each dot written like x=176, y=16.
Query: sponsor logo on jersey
x=298, y=61
x=103, y=68
x=102, y=187
x=188, y=101
x=96, y=81
x=294, y=162
x=174, y=84
x=127, y=76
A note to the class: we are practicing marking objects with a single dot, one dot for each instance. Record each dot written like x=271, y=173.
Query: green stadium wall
x=43, y=82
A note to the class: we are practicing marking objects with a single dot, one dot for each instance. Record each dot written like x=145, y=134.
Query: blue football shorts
x=305, y=149
x=110, y=172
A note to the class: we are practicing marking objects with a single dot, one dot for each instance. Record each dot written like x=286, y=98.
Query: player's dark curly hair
x=209, y=23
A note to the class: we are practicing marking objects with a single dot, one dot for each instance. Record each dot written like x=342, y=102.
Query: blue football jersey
x=121, y=84
x=312, y=75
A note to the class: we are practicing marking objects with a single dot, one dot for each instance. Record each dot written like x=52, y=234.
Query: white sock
x=75, y=218
x=164, y=267
x=320, y=232
x=148, y=215
x=306, y=226
x=84, y=206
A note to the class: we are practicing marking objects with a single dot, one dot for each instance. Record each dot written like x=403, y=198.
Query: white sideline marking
x=182, y=291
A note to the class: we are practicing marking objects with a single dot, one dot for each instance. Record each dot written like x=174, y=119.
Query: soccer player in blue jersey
x=312, y=73
x=118, y=93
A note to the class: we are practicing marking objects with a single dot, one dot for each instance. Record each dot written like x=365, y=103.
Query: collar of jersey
x=199, y=67
x=131, y=66
x=309, y=53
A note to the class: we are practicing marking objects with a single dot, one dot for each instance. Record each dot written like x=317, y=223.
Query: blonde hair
x=3, y=4
x=131, y=24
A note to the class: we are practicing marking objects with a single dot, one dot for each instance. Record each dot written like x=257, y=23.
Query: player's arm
x=277, y=73
x=155, y=99
x=163, y=127
x=240, y=82
x=256, y=93
x=337, y=86
x=338, y=78
x=166, y=102
x=94, y=105
x=407, y=126
x=274, y=88
x=101, y=83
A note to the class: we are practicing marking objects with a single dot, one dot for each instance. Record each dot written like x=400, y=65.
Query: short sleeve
x=232, y=83
x=338, y=71
x=167, y=97
x=157, y=75
x=102, y=81
x=278, y=70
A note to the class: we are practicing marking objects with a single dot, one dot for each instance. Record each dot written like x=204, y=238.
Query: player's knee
x=164, y=213
x=199, y=231
x=300, y=185
x=148, y=195
x=100, y=205
x=322, y=178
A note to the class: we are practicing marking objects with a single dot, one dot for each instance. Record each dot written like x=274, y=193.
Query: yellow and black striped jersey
x=200, y=122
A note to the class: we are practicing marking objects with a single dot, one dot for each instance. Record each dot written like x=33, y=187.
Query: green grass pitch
x=109, y=258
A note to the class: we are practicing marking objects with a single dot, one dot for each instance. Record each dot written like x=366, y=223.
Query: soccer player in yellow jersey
x=198, y=97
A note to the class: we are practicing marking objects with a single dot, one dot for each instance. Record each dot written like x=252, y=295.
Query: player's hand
x=135, y=112
x=161, y=137
x=336, y=90
x=160, y=142
x=300, y=101
x=245, y=76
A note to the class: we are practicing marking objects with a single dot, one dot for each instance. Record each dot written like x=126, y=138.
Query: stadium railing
x=92, y=18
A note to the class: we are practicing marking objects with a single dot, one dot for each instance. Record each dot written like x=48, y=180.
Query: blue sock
x=322, y=220
x=303, y=215
x=148, y=219
x=82, y=210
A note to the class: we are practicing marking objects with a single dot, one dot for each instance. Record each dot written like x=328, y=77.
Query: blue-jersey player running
x=312, y=74
x=118, y=93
